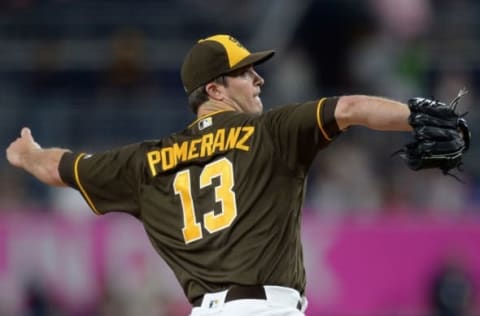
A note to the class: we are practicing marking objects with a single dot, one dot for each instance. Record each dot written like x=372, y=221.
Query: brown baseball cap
x=214, y=56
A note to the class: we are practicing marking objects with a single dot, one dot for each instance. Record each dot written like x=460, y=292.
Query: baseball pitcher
x=221, y=200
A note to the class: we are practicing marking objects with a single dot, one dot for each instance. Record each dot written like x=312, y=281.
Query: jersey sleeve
x=300, y=130
x=108, y=181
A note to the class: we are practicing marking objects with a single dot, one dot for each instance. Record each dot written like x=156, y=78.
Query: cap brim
x=254, y=59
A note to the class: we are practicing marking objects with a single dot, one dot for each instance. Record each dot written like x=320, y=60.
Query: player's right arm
x=42, y=163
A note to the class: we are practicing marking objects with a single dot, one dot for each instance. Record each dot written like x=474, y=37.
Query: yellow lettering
x=193, y=152
x=168, y=159
x=153, y=158
x=207, y=142
x=232, y=138
x=219, y=141
x=205, y=146
x=248, y=133
x=180, y=152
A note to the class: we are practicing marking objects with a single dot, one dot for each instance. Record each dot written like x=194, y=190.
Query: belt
x=238, y=292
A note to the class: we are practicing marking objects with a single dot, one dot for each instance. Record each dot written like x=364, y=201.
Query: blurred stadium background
x=88, y=75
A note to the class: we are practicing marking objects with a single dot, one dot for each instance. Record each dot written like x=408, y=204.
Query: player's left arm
x=373, y=112
x=42, y=163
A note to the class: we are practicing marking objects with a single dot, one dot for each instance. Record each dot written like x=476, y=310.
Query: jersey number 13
x=192, y=229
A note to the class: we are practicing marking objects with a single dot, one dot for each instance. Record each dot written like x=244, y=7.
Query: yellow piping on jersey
x=319, y=118
x=84, y=193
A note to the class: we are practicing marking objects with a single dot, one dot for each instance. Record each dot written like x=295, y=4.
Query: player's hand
x=21, y=147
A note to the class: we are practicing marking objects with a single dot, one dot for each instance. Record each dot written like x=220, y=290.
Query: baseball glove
x=441, y=135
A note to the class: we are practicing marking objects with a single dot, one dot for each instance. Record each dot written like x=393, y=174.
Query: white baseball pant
x=280, y=301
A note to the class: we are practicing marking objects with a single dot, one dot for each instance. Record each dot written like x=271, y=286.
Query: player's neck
x=211, y=106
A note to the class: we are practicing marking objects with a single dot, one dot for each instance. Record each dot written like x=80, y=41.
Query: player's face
x=243, y=89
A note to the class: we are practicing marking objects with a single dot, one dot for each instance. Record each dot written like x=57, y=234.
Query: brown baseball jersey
x=221, y=200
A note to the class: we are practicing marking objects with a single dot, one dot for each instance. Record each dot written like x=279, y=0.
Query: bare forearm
x=372, y=112
x=43, y=164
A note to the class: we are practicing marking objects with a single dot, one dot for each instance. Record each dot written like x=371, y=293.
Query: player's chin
x=258, y=105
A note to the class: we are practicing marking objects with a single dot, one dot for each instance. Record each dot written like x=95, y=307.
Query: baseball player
x=220, y=200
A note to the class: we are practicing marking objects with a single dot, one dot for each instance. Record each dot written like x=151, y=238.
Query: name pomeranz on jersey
x=221, y=140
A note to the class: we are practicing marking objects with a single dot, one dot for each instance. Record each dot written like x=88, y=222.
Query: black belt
x=237, y=292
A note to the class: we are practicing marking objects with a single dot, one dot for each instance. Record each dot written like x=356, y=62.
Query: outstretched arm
x=372, y=112
x=42, y=163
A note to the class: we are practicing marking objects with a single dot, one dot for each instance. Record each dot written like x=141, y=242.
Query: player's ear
x=214, y=90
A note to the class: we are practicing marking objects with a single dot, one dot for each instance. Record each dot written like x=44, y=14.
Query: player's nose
x=257, y=79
